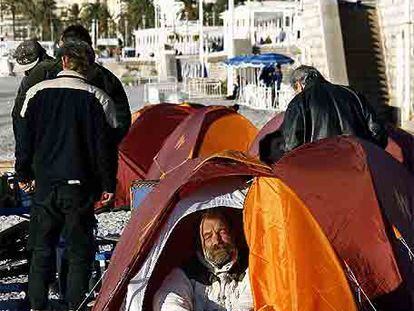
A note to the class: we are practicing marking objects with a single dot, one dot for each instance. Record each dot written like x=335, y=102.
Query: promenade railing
x=265, y=98
x=203, y=88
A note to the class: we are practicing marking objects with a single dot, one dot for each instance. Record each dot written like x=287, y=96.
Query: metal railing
x=265, y=98
x=203, y=88
x=158, y=92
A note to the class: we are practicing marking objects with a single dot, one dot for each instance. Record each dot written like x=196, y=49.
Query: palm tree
x=139, y=12
x=10, y=6
x=190, y=7
x=220, y=6
x=41, y=15
x=96, y=11
x=74, y=14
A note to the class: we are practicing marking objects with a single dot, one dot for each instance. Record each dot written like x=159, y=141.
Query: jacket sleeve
x=24, y=150
x=105, y=151
x=376, y=128
x=293, y=126
x=175, y=293
x=113, y=87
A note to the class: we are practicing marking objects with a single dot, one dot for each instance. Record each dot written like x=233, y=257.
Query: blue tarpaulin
x=260, y=60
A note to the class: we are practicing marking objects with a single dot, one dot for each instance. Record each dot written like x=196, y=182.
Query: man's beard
x=219, y=255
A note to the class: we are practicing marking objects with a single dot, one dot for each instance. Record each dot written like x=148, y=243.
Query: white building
x=269, y=22
x=396, y=19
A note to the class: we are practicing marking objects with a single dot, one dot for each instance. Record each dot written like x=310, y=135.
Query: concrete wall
x=398, y=38
x=322, y=44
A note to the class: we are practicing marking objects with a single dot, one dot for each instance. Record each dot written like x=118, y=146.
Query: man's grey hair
x=304, y=75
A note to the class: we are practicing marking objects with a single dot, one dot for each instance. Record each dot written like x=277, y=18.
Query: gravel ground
x=9, y=221
x=8, y=89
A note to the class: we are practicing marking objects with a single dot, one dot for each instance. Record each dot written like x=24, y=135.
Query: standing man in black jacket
x=65, y=147
x=320, y=110
x=97, y=75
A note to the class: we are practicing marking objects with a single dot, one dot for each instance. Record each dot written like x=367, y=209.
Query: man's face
x=298, y=87
x=217, y=241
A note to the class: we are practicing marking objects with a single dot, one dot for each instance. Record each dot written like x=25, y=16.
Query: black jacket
x=98, y=76
x=64, y=135
x=323, y=110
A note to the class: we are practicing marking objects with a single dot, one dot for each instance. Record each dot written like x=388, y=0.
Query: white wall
x=321, y=41
x=398, y=38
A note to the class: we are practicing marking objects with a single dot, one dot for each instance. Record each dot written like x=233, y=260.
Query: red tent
x=271, y=126
x=405, y=141
x=339, y=182
x=328, y=289
x=207, y=131
x=348, y=186
x=142, y=229
x=145, y=138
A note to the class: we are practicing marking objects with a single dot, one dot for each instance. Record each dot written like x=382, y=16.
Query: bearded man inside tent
x=215, y=280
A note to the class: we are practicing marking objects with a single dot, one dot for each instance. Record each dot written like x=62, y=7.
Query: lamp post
x=126, y=32
x=230, y=50
x=201, y=34
x=231, y=30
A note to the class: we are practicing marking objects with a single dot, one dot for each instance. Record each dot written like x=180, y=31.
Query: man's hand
x=27, y=186
x=107, y=198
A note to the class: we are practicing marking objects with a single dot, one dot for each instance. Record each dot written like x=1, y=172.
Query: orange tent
x=207, y=131
x=152, y=126
x=292, y=264
x=139, y=241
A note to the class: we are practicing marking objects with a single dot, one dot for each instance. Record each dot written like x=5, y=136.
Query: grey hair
x=304, y=75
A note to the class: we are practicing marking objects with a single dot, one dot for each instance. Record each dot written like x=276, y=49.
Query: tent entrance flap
x=292, y=264
x=176, y=240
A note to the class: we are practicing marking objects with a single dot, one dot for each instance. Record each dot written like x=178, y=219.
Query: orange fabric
x=292, y=264
x=397, y=233
x=230, y=132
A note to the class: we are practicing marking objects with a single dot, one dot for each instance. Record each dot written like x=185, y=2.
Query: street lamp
x=231, y=20
x=201, y=35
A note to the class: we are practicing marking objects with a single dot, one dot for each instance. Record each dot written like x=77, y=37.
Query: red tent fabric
x=141, y=230
x=405, y=141
x=271, y=126
x=145, y=138
x=207, y=131
x=333, y=178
